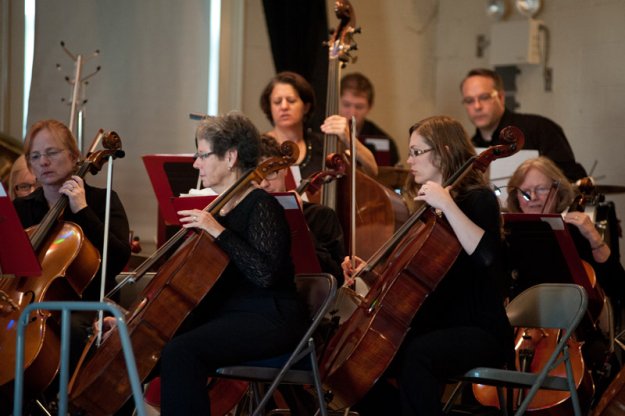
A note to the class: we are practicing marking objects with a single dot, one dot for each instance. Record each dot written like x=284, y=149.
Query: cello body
x=69, y=262
x=379, y=212
x=363, y=346
x=101, y=386
x=542, y=342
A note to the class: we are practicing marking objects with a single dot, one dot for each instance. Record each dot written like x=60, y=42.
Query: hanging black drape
x=297, y=30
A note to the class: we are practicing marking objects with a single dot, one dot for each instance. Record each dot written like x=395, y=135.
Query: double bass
x=404, y=271
x=379, y=210
x=69, y=262
x=101, y=385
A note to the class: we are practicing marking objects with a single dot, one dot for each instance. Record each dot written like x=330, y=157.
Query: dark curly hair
x=299, y=83
x=231, y=131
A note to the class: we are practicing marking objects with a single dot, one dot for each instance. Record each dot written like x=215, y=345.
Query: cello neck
x=39, y=236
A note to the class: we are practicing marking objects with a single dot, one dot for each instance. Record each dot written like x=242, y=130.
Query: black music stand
x=542, y=250
x=17, y=256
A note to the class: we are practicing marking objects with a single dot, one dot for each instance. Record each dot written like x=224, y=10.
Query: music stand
x=302, y=246
x=170, y=175
x=541, y=250
x=17, y=256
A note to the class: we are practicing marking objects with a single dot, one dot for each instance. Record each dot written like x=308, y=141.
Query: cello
x=101, y=386
x=533, y=347
x=404, y=271
x=379, y=210
x=69, y=262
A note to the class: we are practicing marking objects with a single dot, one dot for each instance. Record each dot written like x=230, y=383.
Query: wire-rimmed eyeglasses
x=482, y=98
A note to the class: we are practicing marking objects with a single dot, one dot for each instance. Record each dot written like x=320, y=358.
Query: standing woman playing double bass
x=253, y=311
x=462, y=323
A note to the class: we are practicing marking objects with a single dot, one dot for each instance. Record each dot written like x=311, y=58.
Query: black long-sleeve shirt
x=541, y=134
x=32, y=209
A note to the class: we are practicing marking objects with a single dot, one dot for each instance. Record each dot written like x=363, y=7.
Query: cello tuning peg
x=357, y=29
x=353, y=46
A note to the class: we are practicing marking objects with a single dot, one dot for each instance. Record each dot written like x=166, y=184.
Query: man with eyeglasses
x=483, y=98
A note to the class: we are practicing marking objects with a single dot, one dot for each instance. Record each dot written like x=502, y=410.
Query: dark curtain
x=297, y=30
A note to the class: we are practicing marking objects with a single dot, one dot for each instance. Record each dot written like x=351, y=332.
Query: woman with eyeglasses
x=253, y=311
x=52, y=156
x=535, y=178
x=541, y=187
x=21, y=179
x=462, y=323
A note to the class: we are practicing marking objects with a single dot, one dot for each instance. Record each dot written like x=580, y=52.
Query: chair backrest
x=318, y=291
x=548, y=305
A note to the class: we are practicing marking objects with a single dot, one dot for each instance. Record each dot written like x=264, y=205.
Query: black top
x=33, y=208
x=313, y=160
x=372, y=131
x=468, y=295
x=541, y=134
x=327, y=235
x=257, y=239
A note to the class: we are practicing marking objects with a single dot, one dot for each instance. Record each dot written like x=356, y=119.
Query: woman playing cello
x=538, y=186
x=462, y=323
x=253, y=311
x=52, y=155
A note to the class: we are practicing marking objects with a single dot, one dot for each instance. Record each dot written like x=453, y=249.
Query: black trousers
x=423, y=365
x=229, y=338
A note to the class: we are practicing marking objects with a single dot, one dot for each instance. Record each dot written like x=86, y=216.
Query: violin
x=100, y=385
x=403, y=272
x=69, y=262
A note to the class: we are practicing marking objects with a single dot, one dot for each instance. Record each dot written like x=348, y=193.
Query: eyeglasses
x=538, y=191
x=25, y=187
x=414, y=152
x=271, y=175
x=51, y=154
x=482, y=98
x=203, y=156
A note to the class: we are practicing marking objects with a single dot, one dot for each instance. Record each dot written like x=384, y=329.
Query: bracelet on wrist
x=603, y=244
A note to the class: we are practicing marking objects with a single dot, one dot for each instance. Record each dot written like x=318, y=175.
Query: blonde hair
x=58, y=130
x=19, y=166
x=565, y=194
